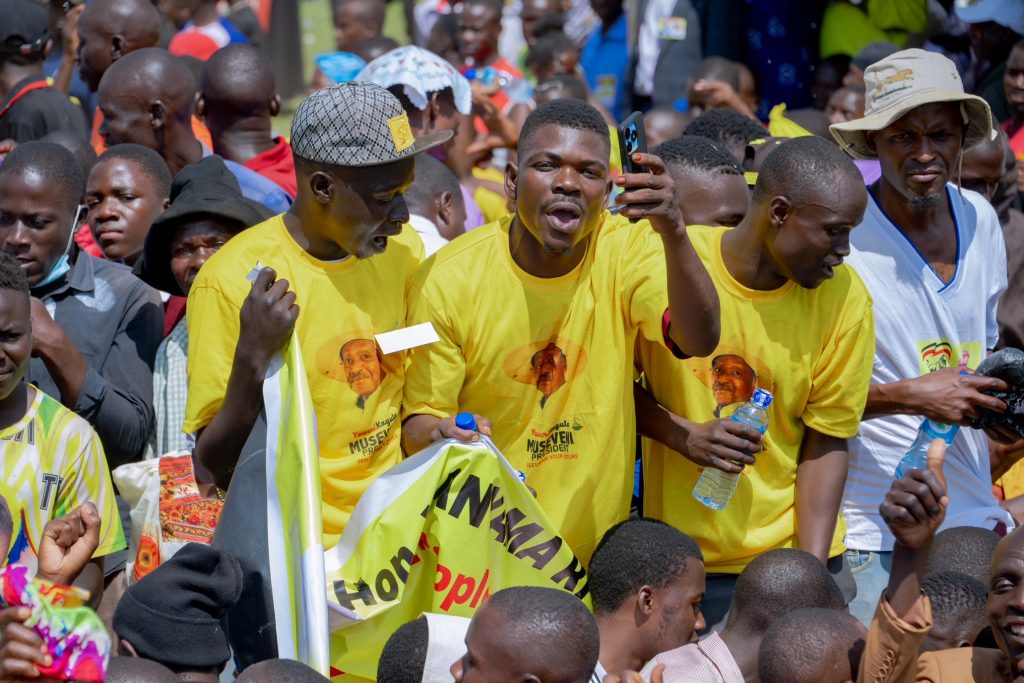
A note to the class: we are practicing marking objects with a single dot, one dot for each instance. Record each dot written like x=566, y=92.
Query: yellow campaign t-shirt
x=53, y=462
x=548, y=360
x=813, y=350
x=356, y=391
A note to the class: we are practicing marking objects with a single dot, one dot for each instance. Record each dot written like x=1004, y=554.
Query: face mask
x=63, y=264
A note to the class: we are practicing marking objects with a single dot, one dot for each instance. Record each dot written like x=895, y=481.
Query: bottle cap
x=465, y=421
x=761, y=398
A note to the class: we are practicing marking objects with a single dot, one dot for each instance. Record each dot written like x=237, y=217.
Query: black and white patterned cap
x=356, y=124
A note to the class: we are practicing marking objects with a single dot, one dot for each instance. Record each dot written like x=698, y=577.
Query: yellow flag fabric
x=781, y=127
x=438, y=533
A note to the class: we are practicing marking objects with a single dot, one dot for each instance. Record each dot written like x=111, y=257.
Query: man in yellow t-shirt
x=336, y=268
x=795, y=323
x=538, y=314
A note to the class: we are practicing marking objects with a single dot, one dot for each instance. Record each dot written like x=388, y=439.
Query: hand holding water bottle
x=723, y=444
x=715, y=487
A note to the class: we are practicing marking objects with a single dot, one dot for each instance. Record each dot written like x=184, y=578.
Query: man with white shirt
x=931, y=257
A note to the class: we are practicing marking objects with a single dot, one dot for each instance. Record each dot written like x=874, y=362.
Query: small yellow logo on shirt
x=401, y=134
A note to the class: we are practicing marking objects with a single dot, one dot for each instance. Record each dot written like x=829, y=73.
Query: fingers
x=13, y=615
x=264, y=279
x=483, y=425
x=91, y=519
x=921, y=493
x=724, y=465
x=651, y=161
x=658, y=673
x=448, y=430
x=982, y=383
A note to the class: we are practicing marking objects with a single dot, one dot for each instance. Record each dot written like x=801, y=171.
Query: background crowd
x=829, y=209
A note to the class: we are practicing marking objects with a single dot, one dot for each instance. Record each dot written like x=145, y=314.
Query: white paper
x=407, y=338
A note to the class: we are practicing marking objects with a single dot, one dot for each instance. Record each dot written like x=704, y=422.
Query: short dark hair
x=727, y=126
x=564, y=114
x=958, y=600
x=778, y=582
x=547, y=48
x=53, y=162
x=274, y=670
x=149, y=162
x=964, y=549
x=432, y=179
x=697, y=153
x=405, y=653
x=637, y=553
x=805, y=646
x=77, y=145
x=12, y=277
x=138, y=670
x=798, y=167
x=494, y=5
x=549, y=628
x=719, y=69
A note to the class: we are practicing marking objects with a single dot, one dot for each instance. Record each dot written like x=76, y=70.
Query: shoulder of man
x=961, y=664
x=473, y=250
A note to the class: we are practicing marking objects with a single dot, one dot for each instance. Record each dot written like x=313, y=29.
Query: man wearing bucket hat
x=335, y=267
x=207, y=209
x=926, y=252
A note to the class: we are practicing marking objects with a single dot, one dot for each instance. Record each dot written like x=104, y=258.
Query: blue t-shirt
x=604, y=60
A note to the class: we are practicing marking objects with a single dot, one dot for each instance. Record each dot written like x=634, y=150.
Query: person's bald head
x=237, y=84
x=812, y=646
x=778, y=582
x=146, y=98
x=529, y=633
x=137, y=670
x=273, y=670
x=110, y=29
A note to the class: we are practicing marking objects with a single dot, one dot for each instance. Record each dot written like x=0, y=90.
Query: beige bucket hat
x=905, y=81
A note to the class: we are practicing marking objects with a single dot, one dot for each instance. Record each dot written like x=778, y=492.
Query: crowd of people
x=824, y=228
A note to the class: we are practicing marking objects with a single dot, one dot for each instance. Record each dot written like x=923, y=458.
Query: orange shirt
x=100, y=145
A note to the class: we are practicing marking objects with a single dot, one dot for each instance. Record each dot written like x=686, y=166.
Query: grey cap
x=357, y=124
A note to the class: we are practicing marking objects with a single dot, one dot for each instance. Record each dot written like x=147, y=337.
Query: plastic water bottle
x=519, y=90
x=917, y=457
x=715, y=487
x=468, y=422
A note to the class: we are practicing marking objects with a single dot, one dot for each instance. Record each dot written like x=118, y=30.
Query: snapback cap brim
x=422, y=144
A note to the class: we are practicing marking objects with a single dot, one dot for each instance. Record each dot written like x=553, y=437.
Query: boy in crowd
x=436, y=210
x=95, y=326
x=783, y=262
x=710, y=187
x=812, y=646
x=238, y=99
x=529, y=633
x=547, y=355
x=943, y=248
x=52, y=460
x=646, y=582
x=729, y=129
x=207, y=209
x=773, y=585
x=958, y=610
x=128, y=187
x=356, y=21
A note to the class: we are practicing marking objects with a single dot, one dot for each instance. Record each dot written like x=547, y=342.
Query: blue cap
x=762, y=399
x=465, y=421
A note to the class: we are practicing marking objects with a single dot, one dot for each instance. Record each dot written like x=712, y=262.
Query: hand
x=267, y=318
x=633, y=677
x=446, y=429
x=651, y=196
x=916, y=504
x=720, y=95
x=46, y=333
x=21, y=648
x=952, y=397
x=722, y=444
x=68, y=544
x=7, y=146
x=69, y=31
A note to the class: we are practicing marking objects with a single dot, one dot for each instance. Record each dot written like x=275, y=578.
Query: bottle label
x=940, y=430
x=761, y=398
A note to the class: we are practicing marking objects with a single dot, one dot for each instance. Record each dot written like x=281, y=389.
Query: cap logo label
x=401, y=133
x=898, y=77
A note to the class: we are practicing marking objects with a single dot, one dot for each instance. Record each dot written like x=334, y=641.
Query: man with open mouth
x=562, y=267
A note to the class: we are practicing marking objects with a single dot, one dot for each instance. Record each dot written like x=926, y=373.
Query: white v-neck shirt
x=923, y=324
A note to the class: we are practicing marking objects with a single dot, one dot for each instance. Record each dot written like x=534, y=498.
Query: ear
x=275, y=105
x=125, y=646
x=511, y=179
x=779, y=209
x=444, y=207
x=118, y=47
x=167, y=203
x=200, y=106
x=322, y=186
x=157, y=114
x=645, y=600
x=869, y=140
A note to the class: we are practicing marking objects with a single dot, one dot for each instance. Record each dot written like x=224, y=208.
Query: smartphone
x=632, y=140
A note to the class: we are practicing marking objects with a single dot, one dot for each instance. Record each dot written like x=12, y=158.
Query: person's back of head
x=663, y=124
x=403, y=656
x=356, y=21
x=110, y=29
x=436, y=195
x=696, y=154
x=372, y=48
x=555, y=53
x=812, y=645
x=279, y=670
x=135, y=670
x=528, y=632
x=24, y=34
x=804, y=168
x=966, y=549
x=710, y=187
x=958, y=610
x=719, y=69
x=237, y=84
x=776, y=583
x=77, y=145
x=729, y=127
x=561, y=86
